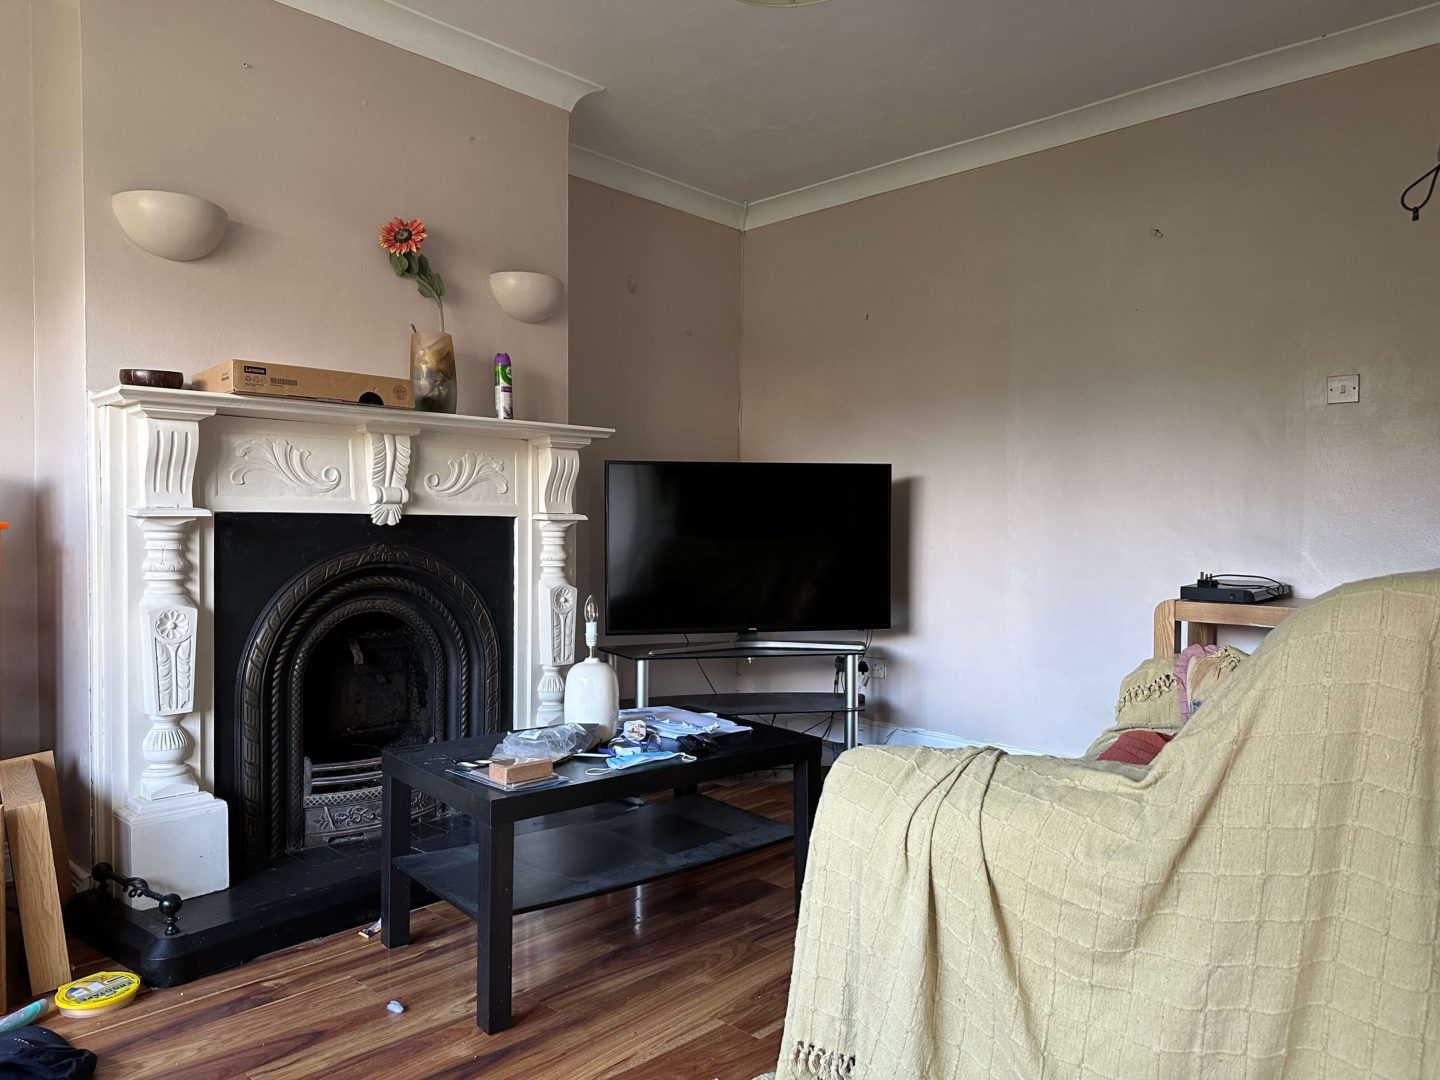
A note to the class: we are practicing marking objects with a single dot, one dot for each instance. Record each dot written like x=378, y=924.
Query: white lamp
x=531, y=298
x=169, y=224
x=592, y=694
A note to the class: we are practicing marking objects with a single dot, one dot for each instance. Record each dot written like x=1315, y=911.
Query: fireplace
x=281, y=589
x=337, y=638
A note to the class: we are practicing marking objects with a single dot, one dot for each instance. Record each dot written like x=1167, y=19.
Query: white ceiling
x=750, y=102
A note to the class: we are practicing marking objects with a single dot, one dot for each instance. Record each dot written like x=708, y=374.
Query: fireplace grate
x=342, y=801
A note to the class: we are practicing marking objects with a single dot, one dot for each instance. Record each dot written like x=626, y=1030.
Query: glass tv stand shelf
x=846, y=703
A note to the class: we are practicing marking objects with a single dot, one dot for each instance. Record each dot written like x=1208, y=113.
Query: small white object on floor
x=395, y=1007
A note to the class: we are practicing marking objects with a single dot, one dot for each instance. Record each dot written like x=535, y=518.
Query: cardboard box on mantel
x=316, y=384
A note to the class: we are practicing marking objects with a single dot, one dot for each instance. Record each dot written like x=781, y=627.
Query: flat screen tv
x=742, y=547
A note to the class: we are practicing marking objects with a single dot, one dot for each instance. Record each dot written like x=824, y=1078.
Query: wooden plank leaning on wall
x=38, y=858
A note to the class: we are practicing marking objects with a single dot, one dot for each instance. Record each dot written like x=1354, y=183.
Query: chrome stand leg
x=852, y=700
x=642, y=683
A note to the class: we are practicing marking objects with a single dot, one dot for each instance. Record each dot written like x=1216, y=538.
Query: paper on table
x=673, y=721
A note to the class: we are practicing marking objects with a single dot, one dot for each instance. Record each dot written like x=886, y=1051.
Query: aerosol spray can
x=504, y=405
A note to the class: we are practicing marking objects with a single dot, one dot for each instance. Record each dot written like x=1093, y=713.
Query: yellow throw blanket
x=1262, y=901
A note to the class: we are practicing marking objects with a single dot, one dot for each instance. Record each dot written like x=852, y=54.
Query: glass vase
x=432, y=370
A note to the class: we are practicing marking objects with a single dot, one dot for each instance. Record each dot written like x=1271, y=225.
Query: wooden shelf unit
x=1203, y=618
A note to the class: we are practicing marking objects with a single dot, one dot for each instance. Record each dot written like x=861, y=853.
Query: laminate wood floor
x=683, y=978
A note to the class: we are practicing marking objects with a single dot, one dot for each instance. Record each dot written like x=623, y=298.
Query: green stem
x=441, y=305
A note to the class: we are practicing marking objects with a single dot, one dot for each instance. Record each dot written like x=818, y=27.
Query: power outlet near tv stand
x=847, y=703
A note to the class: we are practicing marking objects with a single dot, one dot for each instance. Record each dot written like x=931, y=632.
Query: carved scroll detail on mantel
x=389, y=468
x=468, y=471
x=282, y=458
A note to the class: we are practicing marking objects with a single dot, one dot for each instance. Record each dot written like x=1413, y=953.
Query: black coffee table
x=535, y=849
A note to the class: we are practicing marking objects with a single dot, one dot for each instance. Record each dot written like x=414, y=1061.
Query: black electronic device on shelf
x=1234, y=589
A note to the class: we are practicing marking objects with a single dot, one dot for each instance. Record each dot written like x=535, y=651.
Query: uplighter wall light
x=530, y=298
x=169, y=224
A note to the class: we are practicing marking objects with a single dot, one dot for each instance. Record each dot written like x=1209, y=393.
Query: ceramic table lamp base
x=592, y=693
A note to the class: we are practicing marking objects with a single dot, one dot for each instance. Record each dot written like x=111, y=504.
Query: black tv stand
x=847, y=703
x=751, y=646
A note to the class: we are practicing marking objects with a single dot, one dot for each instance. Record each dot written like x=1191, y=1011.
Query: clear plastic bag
x=555, y=743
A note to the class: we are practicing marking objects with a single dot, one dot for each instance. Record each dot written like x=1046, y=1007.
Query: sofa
x=1262, y=899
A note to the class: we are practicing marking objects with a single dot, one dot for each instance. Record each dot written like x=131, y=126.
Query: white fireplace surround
x=162, y=462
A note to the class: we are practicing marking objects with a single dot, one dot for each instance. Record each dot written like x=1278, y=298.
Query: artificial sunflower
x=399, y=237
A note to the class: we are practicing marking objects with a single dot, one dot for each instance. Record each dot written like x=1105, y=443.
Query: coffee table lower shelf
x=570, y=856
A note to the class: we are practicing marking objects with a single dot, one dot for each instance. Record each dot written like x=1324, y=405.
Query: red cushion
x=1136, y=747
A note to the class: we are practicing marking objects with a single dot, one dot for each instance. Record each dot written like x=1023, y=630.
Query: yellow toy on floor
x=97, y=993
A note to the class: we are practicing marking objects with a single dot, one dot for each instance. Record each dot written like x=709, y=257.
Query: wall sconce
x=530, y=298
x=168, y=224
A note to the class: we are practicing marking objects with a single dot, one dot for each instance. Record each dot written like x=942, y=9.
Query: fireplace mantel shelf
x=326, y=412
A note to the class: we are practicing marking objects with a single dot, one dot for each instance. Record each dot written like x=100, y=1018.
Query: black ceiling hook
x=1432, y=176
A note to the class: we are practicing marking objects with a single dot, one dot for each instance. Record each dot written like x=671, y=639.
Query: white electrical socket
x=878, y=669
x=1343, y=389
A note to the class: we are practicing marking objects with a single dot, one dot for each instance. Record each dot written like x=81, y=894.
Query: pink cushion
x=1136, y=747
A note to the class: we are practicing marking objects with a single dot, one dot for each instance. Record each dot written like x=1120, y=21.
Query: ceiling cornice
x=413, y=31
x=633, y=180
x=395, y=24
x=1319, y=56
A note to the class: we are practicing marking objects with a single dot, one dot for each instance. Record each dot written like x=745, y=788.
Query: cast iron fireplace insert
x=335, y=639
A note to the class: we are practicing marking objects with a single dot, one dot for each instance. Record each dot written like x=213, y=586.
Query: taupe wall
x=1101, y=369
x=655, y=330
x=312, y=136
x=18, y=674
x=62, y=641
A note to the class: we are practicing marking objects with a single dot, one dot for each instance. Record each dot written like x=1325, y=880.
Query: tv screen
x=719, y=547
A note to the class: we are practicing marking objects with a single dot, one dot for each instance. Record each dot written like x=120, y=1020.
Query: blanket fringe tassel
x=822, y=1064
x=1146, y=691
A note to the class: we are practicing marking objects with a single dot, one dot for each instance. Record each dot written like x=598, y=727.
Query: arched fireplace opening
x=371, y=647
